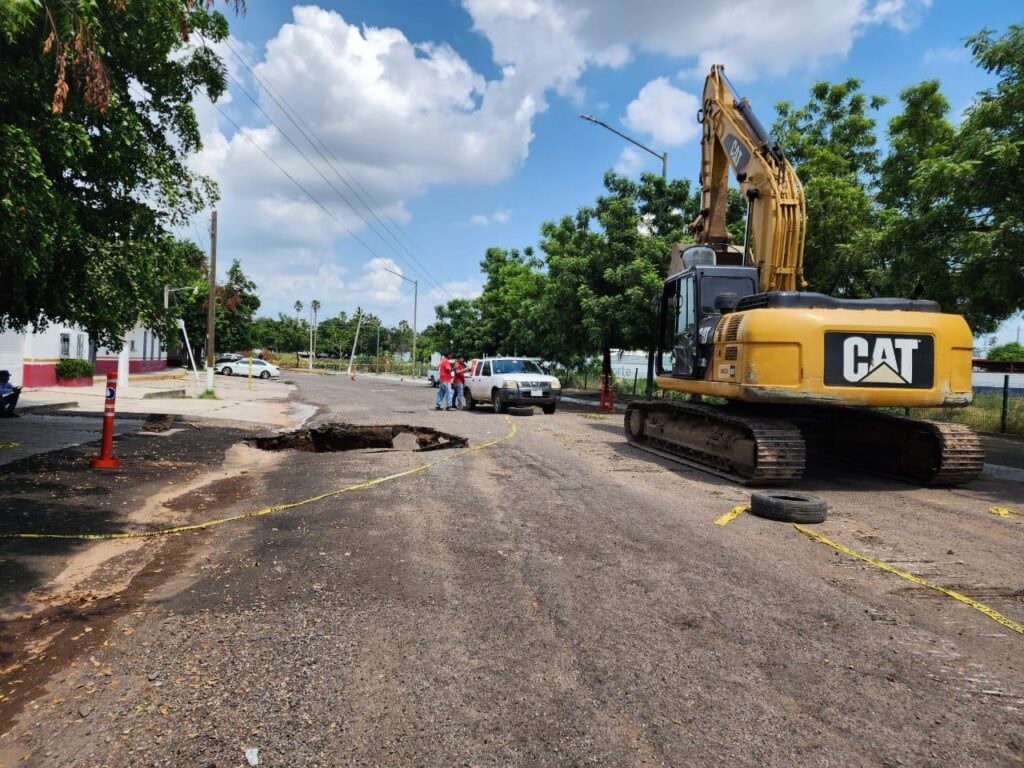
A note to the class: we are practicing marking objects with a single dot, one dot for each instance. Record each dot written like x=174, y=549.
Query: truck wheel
x=500, y=406
x=470, y=402
x=789, y=507
x=550, y=409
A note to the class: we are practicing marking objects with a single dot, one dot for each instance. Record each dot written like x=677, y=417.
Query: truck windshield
x=516, y=366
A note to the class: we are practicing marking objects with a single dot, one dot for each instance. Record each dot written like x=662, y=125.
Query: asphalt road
x=558, y=598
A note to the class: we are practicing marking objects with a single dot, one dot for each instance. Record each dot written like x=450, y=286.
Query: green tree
x=459, y=329
x=1012, y=352
x=236, y=307
x=923, y=240
x=508, y=302
x=94, y=172
x=336, y=334
x=832, y=145
x=603, y=269
x=980, y=178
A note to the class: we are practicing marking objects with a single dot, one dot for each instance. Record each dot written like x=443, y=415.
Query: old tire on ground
x=520, y=410
x=788, y=507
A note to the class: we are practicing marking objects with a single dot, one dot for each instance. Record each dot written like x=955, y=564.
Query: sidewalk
x=54, y=418
x=237, y=399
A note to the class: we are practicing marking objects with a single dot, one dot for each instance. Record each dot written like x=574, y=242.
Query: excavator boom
x=733, y=138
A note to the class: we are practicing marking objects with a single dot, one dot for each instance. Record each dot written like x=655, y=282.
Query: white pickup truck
x=505, y=381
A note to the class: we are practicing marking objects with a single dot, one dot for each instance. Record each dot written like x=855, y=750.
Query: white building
x=32, y=356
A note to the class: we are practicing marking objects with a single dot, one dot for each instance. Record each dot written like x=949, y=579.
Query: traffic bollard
x=607, y=402
x=106, y=458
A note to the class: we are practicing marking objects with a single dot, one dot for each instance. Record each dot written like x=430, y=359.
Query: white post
x=184, y=333
x=355, y=341
x=124, y=363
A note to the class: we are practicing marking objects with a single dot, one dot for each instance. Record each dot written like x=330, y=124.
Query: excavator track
x=756, y=450
x=752, y=450
x=912, y=450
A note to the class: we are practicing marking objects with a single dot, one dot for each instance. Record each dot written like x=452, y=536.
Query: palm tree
x=316, y=308
x=298, y=308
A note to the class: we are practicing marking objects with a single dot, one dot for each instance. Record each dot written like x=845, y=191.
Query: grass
x=984, y=414
x=207, y=395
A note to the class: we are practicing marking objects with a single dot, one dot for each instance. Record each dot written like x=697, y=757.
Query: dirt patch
x=330, y=438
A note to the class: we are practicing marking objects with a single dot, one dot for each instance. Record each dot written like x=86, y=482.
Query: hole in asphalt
x=328, y=438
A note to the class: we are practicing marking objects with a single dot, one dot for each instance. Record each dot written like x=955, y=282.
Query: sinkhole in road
x=329, y=438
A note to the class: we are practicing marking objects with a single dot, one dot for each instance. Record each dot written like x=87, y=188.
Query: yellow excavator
x=803, y=373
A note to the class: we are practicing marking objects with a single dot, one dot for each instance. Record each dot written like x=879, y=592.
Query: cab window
x=486, y=369
x=687, y=317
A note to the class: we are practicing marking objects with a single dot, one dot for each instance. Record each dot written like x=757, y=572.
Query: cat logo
x=875, y=360
x=738, y=154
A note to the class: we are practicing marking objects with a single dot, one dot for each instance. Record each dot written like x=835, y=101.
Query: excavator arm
x=777, y=214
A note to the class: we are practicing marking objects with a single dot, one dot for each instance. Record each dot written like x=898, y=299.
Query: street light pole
x=211, y=306
x=663, y=156
x=415, y=301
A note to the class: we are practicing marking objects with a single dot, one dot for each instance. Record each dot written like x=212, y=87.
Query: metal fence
x=993, y=409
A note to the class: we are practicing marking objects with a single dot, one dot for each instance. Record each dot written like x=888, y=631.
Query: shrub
x=71, y=368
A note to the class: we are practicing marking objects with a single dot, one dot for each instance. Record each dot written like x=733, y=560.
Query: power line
x=294, y=181
x=307, y=132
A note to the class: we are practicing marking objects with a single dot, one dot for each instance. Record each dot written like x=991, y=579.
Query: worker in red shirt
x=444, y=388
x=459, y=382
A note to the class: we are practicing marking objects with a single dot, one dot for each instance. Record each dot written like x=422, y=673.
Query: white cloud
x=899, y=14
x=486, y=219
x=454, y=289
x=750, y=37
x=400, y=116
x=630, y=162
x=396, y=116
x=664, y=112
x=942, y=56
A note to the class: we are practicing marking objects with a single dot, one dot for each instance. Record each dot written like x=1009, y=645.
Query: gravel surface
x=557, y=599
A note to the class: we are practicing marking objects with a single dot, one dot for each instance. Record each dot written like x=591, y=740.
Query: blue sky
x=453, y=125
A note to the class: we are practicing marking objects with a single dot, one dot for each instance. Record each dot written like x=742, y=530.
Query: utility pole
x=211, y=306
x=311, y=338
x=415, y=301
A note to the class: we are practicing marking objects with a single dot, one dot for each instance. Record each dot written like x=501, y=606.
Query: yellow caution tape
x=990, y=612
x=731, y=515
x=1002, y=511
x=266, y=510
x=10, y=445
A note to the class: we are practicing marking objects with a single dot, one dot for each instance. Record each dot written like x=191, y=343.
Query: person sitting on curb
x=8, y=395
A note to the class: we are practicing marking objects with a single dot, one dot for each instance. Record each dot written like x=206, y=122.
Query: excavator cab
x=692, y=304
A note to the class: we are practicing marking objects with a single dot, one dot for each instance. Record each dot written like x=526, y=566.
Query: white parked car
x=260, y=368
x=505, y=381
x=434, y=377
